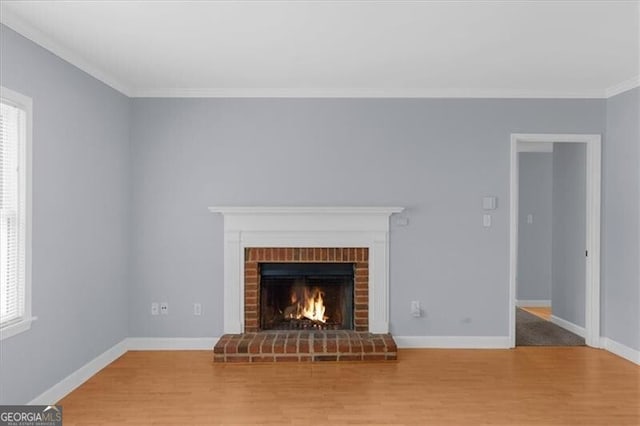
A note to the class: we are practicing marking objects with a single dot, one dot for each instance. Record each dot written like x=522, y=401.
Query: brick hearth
x=305, y=346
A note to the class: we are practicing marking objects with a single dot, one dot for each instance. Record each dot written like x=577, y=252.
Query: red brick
x=373, y=357
x=278, y=347
x=361, y=300
x=267, y=346
x=362, y=273
x=236, y=358
x=291, y=347
x=344, y=346
x=350, y=357
x=324, y=254
x=254, y=347
x=262, y=358
x=325, y=357
x=231, y=348
x=360, y=315
x=285, y=358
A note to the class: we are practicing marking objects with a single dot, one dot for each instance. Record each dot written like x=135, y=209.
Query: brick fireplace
x=282, y=236
x=356, y=256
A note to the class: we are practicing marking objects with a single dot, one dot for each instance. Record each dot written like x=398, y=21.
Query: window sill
x=17, y=327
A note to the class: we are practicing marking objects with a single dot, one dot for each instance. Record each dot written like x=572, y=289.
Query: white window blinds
x=12, y=214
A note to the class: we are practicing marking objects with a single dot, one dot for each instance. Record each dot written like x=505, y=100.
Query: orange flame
x=308, y=303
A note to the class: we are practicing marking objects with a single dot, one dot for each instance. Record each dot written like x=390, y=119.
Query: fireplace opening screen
x=306, y=296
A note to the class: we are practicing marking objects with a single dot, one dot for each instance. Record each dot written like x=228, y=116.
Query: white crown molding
x=8, y=18
x=632, y=83
x=286, y=92
x=452, y=342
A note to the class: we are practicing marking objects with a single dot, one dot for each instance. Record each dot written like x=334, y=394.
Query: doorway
x=587, y=269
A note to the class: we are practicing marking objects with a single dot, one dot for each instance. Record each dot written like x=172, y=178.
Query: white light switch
x=415, y=308
x=489, y=203
x=529, y=218
x=401, y=221
x=486, y=220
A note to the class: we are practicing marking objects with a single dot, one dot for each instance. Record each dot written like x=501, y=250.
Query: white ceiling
x=343, y=48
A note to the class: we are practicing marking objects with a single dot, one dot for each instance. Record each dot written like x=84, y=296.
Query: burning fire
x=307, y=303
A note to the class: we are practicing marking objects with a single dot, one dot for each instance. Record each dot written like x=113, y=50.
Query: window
x=15, y=202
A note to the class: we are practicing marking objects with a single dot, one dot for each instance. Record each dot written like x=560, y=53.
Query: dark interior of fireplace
x=306, y=296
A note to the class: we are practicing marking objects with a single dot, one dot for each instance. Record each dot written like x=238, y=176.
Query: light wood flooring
x=544, y=313
x=522, y=386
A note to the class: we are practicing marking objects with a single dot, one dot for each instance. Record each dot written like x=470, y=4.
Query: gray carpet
x=535, y=331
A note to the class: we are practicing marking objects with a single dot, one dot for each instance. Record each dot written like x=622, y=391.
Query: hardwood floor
x=522, y=386
x=544, y=313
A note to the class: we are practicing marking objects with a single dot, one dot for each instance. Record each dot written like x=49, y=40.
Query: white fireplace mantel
x=306, y=227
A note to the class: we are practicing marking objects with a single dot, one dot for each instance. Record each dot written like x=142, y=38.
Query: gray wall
x=621, y=216
x=437, y=157
x=569, y=241
x=80, y=209
x=534, y=239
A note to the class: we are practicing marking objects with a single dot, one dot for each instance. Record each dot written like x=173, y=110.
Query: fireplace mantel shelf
x=306, y=227
x=269, y=210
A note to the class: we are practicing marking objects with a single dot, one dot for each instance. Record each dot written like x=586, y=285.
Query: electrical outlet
x=155, y=308
x=197, y=309
x=164, y=308
x=415, y=308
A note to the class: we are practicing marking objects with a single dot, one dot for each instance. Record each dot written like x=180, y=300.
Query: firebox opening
x=306, y=296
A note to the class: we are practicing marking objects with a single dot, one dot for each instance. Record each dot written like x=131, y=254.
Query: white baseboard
x=171, y=343
x=453, y=342
x=81, y=375
x=84, y=373
x=542, y=303
x=574, y=328
x=621, y=350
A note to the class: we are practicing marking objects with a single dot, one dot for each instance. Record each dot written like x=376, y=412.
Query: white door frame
x=519, y=143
